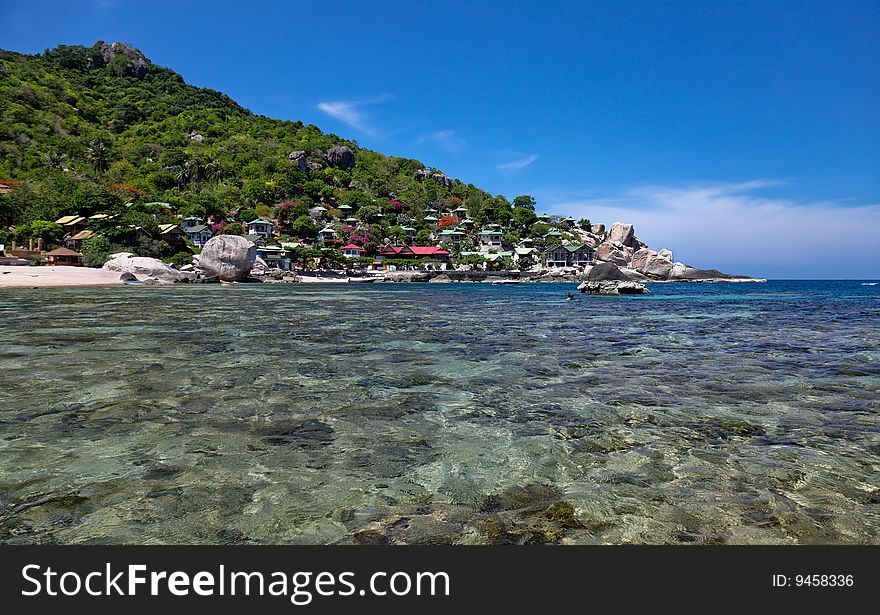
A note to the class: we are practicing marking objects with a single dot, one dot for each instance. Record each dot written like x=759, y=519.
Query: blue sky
x=738, y=134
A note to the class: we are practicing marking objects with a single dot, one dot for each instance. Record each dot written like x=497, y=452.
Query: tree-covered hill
x=91, y=129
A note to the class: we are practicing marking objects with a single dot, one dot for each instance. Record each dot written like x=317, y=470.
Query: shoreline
x=45, y=276
x=12, y=276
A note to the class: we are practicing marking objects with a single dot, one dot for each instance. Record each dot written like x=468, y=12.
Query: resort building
x=352, y=251
x=568, y=256
x=172, y=235
x=275, y=257
x=454, y=236
x=74, y=242
x=326, y=234
x=260, y=227
x=199, y=234
x=190, y=222
x=64, y=256
x=416, y=252
x=490, y=239
x=71, y=225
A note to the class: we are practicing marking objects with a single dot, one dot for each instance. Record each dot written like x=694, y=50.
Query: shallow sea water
x=436, y=413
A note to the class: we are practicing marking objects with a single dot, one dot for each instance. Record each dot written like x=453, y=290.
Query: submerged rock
x=229, y=257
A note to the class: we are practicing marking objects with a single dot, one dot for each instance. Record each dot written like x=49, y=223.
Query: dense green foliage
x=88, y=130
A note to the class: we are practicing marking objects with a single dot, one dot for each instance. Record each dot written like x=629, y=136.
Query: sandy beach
x=45, y=277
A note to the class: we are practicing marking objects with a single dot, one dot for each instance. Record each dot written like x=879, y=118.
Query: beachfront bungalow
x=199, y=234
x=352, y=251
x=274, y=256
x=172, y=235
x=261, y=227
x=557, y=256
x=416, y=252
x=520, y=254
x=568, y=256
x=410, y=231
x=431, y=221
x=64, y=256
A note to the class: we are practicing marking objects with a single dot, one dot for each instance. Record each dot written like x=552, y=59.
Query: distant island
x=107, y=160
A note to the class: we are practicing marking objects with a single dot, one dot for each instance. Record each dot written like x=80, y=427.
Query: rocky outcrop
x=229, y=257
x=406, y=276
x=299, y=158
x=145, y=267
x=606, y=272
x=612, y=254
x=664, y=253
x=597, y=229
x=653, y=264
x=194, y=136
x=621, y=233
x=613, y=287
x=134, y=64
x=423, y=174
x=340, y=157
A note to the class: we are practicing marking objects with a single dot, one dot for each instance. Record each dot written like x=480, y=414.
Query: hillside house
x=262, y=227
x=352, y=251
x=172, y=235
x=199, y=234
x=490, y=239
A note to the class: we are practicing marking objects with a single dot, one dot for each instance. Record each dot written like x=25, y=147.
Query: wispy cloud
x=352, y=112
x=736, y=229
x=447, y=140
x=518, y=164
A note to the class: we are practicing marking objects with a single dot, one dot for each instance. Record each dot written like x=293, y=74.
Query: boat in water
x=361, y=280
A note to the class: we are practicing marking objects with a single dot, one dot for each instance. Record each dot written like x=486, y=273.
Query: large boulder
x=612, y=254
x=664, y=253
x=299, y=158
x=440, y=178
x=597, y=229
x=229, y=257
x=641, y=257
x=125, y=262
x=604, y=272
x=340, y=157
x=622, y=233
x=613, y=287
x=658, y=267
x=653, y=264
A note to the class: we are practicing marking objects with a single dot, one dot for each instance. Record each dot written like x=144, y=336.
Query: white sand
x=48, y=276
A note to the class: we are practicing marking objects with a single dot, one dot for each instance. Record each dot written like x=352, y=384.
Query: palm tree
x=98, y=155
x=214, y=171
x=54, y=160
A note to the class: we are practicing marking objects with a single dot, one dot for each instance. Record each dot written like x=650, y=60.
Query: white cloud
x=729, y=227
x=351, y=112
x=447, y=140
x=516, y=165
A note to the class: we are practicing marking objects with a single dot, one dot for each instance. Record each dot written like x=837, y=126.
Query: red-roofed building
x=415, y=252
x=352, y=251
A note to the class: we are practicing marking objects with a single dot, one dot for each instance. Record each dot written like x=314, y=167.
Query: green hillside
x=102, y=129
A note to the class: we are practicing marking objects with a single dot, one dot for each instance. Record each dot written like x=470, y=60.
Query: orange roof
x=63, y=252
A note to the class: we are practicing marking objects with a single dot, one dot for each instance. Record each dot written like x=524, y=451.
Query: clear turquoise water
x=732, y=413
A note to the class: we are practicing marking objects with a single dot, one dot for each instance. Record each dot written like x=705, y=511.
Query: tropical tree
x=98, y=155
